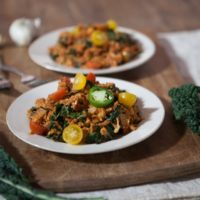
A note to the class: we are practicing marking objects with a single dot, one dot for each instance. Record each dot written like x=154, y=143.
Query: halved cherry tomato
x=127, y=99
x=79, y=82
x=59, y=94
x=91, y=77
x=99, y=38
x=111, y=24
x=37, y=128
x=93, y=65
x=72, y=134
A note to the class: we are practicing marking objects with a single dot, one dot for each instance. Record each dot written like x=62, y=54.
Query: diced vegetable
x=93, y=64
x=91, y=77
x=59, y=94
x=37, y=128
x=99, y=38
x=72, y=134
x=100, y=97
x=127, y=99
x=67, y=111
x=79, y=82
x=101, y=135
x=113, y=115
x=76, y=30
x=111, y=24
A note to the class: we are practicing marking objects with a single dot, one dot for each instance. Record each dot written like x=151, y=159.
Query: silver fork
x=27, y=79
x=4, y=83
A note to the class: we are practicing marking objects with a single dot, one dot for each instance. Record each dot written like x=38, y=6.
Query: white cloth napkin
x=160, y=191
x=185, y=49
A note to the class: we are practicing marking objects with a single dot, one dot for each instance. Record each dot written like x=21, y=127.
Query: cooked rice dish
x=85, y=111
x=95, y=46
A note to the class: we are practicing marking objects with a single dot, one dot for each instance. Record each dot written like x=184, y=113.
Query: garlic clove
x=23, y=30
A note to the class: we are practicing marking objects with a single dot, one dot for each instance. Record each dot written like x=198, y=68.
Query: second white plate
x=38, y=52
x=151, y=107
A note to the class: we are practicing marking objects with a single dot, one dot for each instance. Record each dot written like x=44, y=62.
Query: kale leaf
x=96, y=136
x=88, y=43
x=111, y=35
x=15, y=186
x=113, y=115
x=186, y=105
x=72, y=52
x=61, y=112
x=67, y=111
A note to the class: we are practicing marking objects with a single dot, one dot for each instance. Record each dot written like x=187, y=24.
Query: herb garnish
x=113, y=115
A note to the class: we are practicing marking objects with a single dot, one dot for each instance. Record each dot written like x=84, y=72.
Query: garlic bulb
x=23, y=30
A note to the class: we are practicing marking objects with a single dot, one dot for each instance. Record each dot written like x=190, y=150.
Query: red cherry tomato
x=59, y=94
x=37, y=128
x=91, y=77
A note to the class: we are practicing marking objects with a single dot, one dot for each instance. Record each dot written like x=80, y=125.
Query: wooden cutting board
x=171, y=152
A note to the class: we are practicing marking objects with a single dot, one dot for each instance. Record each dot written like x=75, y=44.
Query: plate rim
x=97, y=151
x=127, y=66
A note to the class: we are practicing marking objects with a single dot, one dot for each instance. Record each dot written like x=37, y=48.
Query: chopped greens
x=63, y=41
x=96, y=136
x=53, y=55
x=111, y=34
x=72, y=52
x=123, y=39
x=67, y=111
x=88, y=43
x=33, y=109
x=113, y=115
x=56, y=137
x=61, y=112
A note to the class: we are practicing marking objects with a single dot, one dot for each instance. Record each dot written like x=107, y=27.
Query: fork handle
x=11, y=69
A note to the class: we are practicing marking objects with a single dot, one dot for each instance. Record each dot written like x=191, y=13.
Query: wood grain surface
x=172, y=152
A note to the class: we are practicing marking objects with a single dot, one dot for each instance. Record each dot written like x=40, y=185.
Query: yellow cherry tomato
x=127, y=99
x=99, y=38
x=111, y=24
x=72, y=134
x=79, y=82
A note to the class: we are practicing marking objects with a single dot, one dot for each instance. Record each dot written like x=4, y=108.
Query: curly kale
x=186, y=105
x=15, y=186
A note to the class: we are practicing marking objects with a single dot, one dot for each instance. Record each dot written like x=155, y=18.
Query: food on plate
x=95, y=46
x=85, y=111
x=186, y=105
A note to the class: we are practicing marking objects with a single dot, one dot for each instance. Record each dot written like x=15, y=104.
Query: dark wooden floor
x=146, y=15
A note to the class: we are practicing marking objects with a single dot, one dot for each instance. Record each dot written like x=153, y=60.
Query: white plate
x=150, y=105
x=38, y=51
